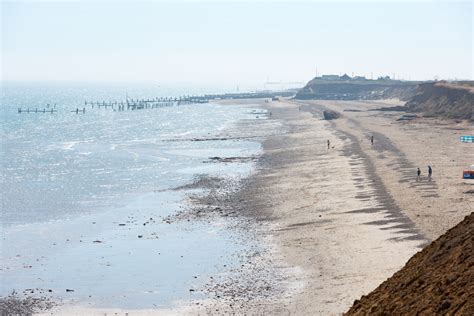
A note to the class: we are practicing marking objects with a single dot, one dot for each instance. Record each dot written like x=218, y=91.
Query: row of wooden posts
x=140, y=104
x=36, y=110
x=129, y=104
x=50, y=111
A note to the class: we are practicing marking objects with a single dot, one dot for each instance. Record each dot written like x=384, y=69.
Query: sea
x=83, y=196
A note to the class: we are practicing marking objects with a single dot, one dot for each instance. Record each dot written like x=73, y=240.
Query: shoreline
x=127, y=256
x=364, y=236
x=317, y=214
x=332, y=222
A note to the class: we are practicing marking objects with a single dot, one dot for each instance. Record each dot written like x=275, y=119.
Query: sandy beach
x=237, y=158
x=401, y=147
x=342, y=220
x=333, y=222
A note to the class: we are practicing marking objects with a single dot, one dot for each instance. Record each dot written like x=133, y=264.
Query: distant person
x=372, y=140
x=430, y=173
x=329, y=143
x=418, y=174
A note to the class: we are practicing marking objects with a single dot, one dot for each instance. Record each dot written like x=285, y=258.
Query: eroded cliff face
x=433, y=99
x=356, y=90
x=442, y=99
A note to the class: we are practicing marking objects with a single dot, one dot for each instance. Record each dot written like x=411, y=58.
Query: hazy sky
x=233, y=42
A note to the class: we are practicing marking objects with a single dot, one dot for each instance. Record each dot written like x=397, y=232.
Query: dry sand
x=401, y=147
x=347, y=218
x=439, y=280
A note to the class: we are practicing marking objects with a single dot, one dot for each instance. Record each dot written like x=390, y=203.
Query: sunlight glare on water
x=69, y=180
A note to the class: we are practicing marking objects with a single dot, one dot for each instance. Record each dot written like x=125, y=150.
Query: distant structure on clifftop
x=346, y=77
x=334, y=87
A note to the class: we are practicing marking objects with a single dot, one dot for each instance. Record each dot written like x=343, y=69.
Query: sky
x=246, y=42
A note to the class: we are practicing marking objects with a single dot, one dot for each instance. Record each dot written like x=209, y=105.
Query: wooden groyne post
x=27, y=110
x=77, y=111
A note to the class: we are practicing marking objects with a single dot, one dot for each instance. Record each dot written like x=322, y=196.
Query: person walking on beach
x=372, y=140
x=329, y=143
x=418, y=174
x=430, y=172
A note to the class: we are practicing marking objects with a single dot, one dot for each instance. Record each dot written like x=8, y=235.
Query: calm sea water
x=69, y=180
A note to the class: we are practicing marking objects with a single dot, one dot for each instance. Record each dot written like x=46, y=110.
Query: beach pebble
x=445, y=305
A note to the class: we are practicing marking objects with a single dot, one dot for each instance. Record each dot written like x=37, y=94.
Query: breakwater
x=130, y=104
